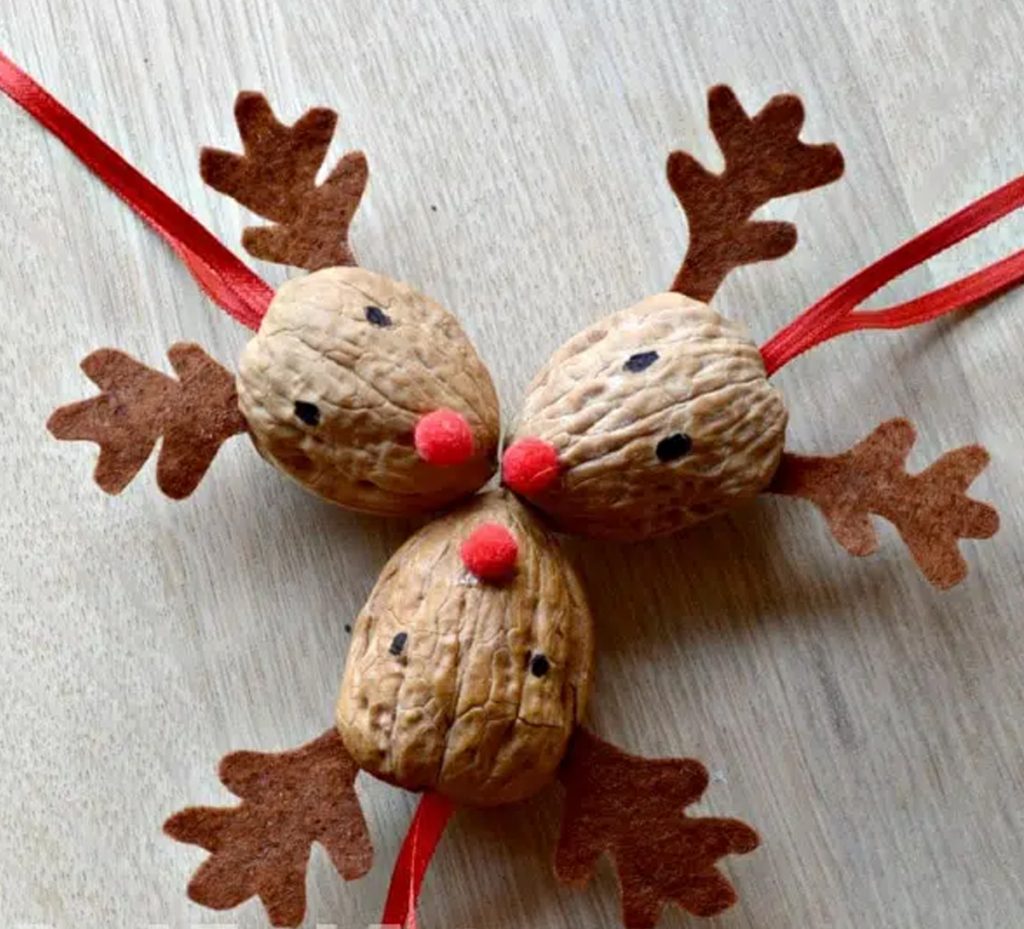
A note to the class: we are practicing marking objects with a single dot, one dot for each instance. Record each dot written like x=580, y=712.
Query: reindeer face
x=369, y=394
x=647, y=422
x=463, y=686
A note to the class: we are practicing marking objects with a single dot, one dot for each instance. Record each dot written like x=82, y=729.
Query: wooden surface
x=872, y=728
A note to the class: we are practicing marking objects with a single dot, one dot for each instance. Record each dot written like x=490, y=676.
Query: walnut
x=346, y=363
x=659, y=415
x=468, y=688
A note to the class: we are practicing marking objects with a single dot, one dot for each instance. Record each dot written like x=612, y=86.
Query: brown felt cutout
x=764, y=159
x=931, y=510
x=261, y=846
x=633, y=809
x=195, y=415
x=276, y=178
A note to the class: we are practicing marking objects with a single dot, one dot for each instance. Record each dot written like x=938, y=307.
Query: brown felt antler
x=931, y=510
x=633, y=809
x=195, y=415
x=261, y=846
x=276, y=178
x=764, y=159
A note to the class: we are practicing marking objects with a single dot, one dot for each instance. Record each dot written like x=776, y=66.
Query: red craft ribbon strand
x=836, y=313
x=421, y=840
x=219, y=272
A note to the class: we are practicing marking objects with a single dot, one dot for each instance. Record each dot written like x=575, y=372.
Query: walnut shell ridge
x=661, y=416
x=344, y=365
x=471, y=689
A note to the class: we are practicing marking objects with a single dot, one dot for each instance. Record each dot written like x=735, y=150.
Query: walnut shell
x=468, y=688
x=661, y=416
x=345, y=364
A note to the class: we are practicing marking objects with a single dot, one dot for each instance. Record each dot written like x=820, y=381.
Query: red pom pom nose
x=529, y=466
x=443, y=438
x=490, y=552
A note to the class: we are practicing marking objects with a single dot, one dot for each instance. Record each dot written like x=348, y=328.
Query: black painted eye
x=640, y=361
x=309, y=413
x=377, y=317
x=539, y=666
x=398, y=643
x=673, y=447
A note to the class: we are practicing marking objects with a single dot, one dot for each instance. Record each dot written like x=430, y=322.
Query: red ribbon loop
x=226, y=280
x=836, y=312
x=421, y=840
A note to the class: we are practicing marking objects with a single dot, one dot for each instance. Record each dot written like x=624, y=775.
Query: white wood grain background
x=868, y=725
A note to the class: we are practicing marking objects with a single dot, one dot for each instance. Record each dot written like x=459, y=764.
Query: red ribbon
x=421, y=840
x=836, y=312
x=219, y=272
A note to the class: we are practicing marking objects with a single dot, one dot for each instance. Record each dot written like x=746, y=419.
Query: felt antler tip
x=764, y=159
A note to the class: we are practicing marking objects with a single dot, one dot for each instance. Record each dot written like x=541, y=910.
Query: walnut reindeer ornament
x=470, y=666
x=662, y=415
